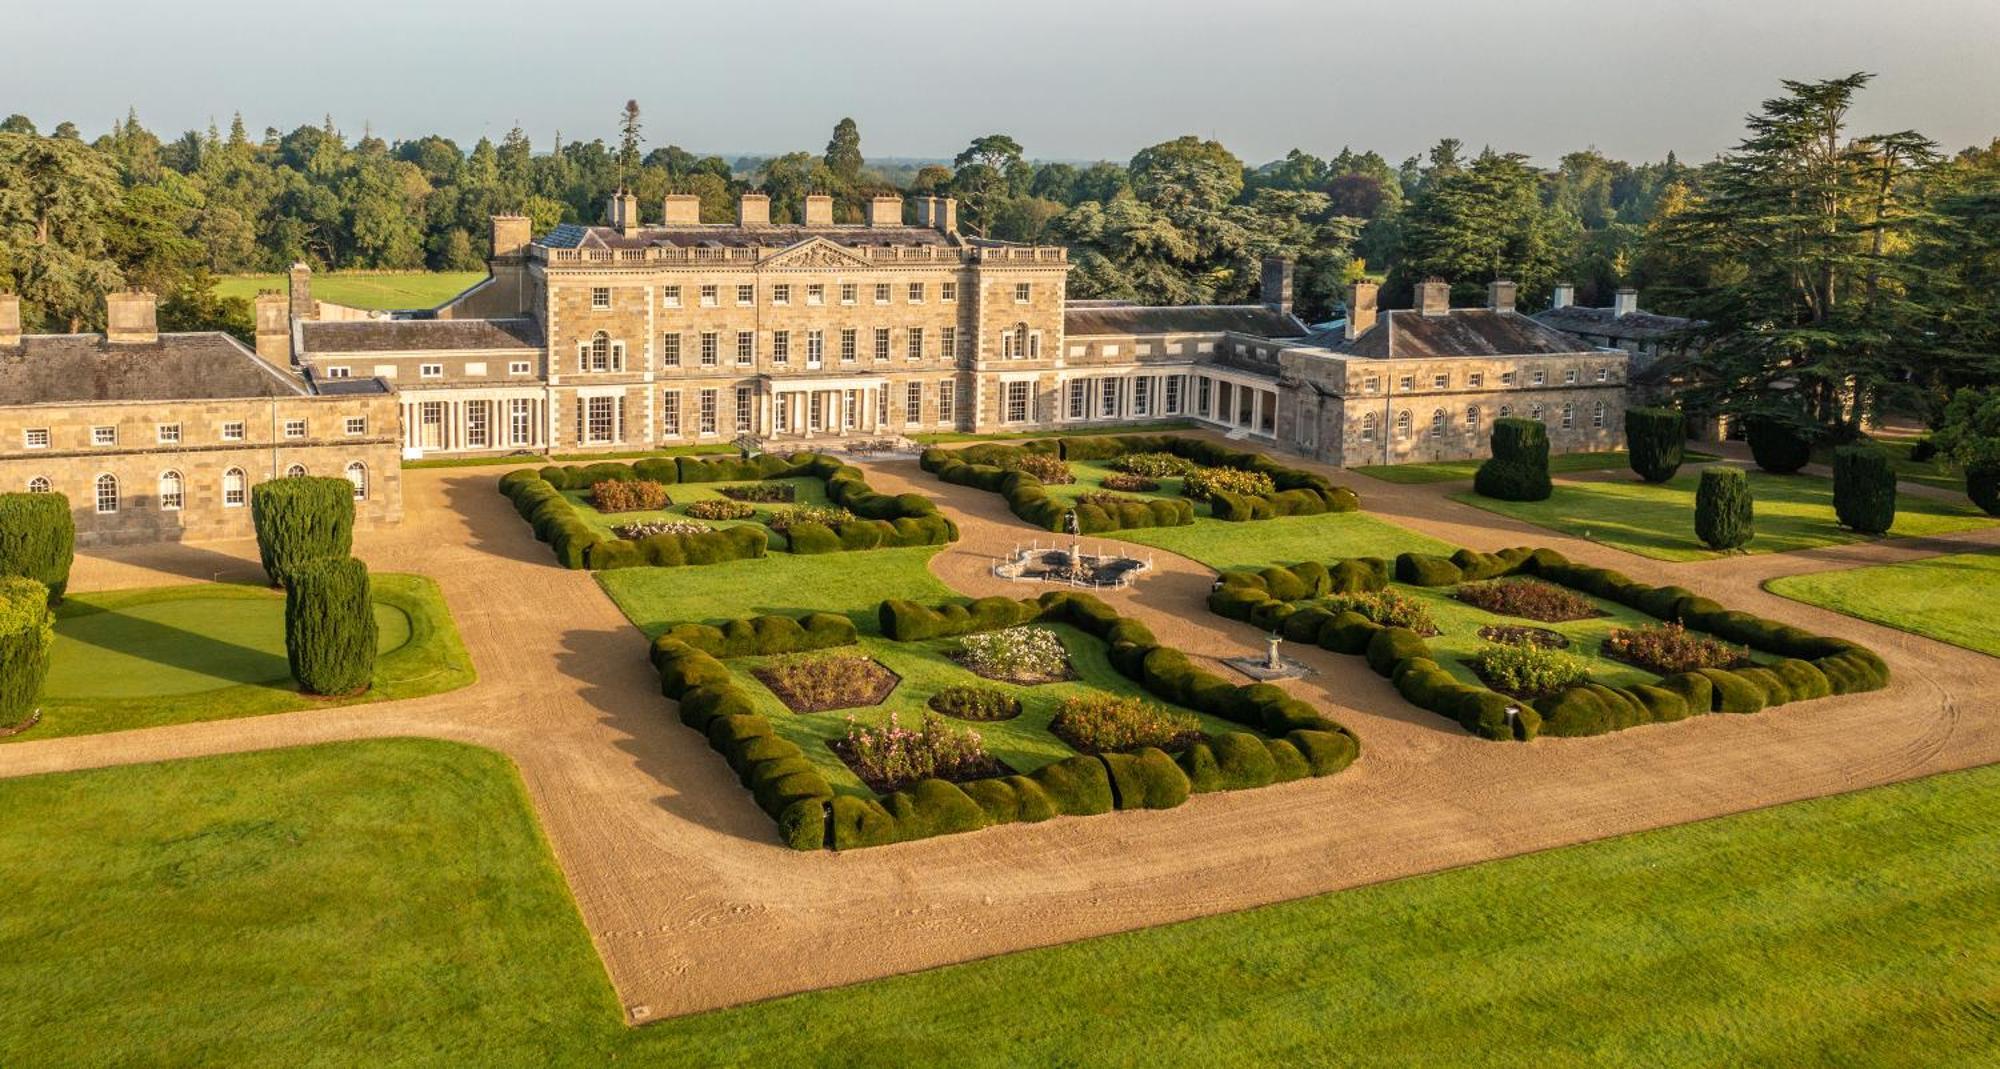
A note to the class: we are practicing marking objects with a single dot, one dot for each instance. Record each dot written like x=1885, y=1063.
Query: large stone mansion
x=637, y=335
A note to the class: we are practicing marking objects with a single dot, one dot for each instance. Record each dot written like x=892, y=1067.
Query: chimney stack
x=274, y=327
x=944, y=215
x=680, y=209
x=1626, y=302
x=511, y=235
x=1433, y=297
x=926, y=211
x=818, y=210
x=624, y=213
x=1565, y=295
x=1360, y=308
x=885, y=210
x=10, y=320
x=301, y=281
x=753, y=209
x=1277, y=287
x=1500, y=295
x=131, y=318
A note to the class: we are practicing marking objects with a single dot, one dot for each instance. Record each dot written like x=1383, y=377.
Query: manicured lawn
x=390, y=902
x=1285, y=540
x=805, y=492
x=1458, y=635
x=391, y=290
x=168, y=655
x=1949, y=598
x=1931, y=472
x=852, y=583
x=1794, y=512
x=1445, y=471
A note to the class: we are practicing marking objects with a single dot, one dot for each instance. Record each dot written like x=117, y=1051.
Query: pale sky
x=1069, y=79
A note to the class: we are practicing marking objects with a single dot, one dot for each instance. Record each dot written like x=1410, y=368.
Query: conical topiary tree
x=37, y=540
x=26, y=632
x=1519, y=469
x=1779, y=445
x=1655, y=442
x=330, y=633
x=1723, y=512
x=300, y=520
x=1864, y=488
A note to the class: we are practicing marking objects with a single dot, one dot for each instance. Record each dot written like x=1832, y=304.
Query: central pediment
x=816, y=253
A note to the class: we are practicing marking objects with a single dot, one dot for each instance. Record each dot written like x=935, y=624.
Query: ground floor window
x=1142, y=396
x=1079, y=399
x=782, y=409
x=670, y=414
x=1569, y=416
x=743, y=409
x=296, y=471
x=706, y=413
x=40, y=485
x=476, y=425
x=357, y=473
x=947, y=401
x=1597, y=415
x=882, y=404
x=850, y=409
x=1107, y=394
x=1173, y=399
x=1472, y=418
x=1403, y=425
x=1437, y=423
x=600, y=419
x=1201, y=398
x=1368, y=427
x=107, y=493
x=232, y=488
x=913, y=403
x=171, y=496
x=1017, y=402
x=520, y=421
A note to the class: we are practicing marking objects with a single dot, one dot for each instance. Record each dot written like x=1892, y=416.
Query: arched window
x=1506, y=410
x=357, y=473
x=1569, y=416
x=232, y=488
x=1368, y=427
x=1472, y=418
x=1535, y=413
x=1437, y=423
x=107, y=493
x=1597, y=415
x=296, y=471
x=39, y=485
x=1403, y=424
x=170, y=490
x=1021, y=340
x=599, y=358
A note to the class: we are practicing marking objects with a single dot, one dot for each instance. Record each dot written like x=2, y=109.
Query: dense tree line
x=1840, y=273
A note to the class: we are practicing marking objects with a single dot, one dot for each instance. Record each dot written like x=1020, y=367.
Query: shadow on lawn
x=117, y=631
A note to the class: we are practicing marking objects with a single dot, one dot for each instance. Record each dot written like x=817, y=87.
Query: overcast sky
x=1071, y=79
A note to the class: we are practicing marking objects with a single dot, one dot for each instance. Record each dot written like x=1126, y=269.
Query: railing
x=881, y=254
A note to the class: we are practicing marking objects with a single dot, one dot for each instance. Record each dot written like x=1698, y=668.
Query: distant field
x=409, y=289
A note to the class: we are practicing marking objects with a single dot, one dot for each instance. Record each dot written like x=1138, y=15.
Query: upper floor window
x=35, y=438
x=916, y=345
x=670, y=350
x=1506, y=378
x=916, y=293
x=746, y=295
x=1439, y=382
x=881, y=343
x=168, y=433
x=670, y=296
x=232, y=431
x=339, y=372
x=1604, y=374
x=948, y=342
x=848, y=292
x=708, y=296
x=847, y=345
x=1022, y=292
x=356, y=425
x=746, y=346
x=708, y=347
x=1406, y=382
x=1475, y=379
x=103, y=436
x=781, y=293
x=295, y=428
x=436, y=371
x=518, y=367
x=947, y=292
x=1569, y=377
x=781, y=346
x=1541, y=377
x=600, y=297
x=815, y=293
x=881, y=293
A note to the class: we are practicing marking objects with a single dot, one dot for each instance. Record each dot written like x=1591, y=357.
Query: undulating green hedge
x=38, y=540
x=27, y=630
x=883, y=521
x=1811, y=666
x=989, y=467
x=300, y=521
x=810, y=816
x=330, y=632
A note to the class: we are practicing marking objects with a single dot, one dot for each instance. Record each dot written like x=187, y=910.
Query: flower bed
x=1106, y=723
x=1104, y=500
x=1205, y=483
x=763, y=493
x=831, y=681
x=1669, y=648
x=824, y=515
x=1523, y=635
x=1151, y=465
x=721, y=510
x=658, y=527
x=1530, y=599
x=1025, y=656
x=982, y=704
x=1527, y=671
x=891, y=757
x=1129, y=483
x=1387, y=607
x=628, y=495
x=1048, y=468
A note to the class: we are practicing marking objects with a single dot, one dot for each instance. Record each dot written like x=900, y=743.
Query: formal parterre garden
x=1523, y=642
x=673, y=511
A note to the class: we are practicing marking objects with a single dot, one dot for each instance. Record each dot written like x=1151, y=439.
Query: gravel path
x=693, y=904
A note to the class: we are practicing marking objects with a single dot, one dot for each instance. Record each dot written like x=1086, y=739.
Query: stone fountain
x=1069, y=564
x=1272, y=665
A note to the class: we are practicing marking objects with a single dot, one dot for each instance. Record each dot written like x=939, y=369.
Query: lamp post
x=1513, y=715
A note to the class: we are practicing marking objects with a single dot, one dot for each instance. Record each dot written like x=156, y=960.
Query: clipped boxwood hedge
x=993, y=467
x=27, y=630
x=883, y=521
x=1810, y=665
x=38, y=540
x=1288, y=739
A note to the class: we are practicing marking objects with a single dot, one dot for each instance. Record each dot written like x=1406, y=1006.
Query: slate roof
x=54, y=368
x=1405, y=334
x=729, y=235
x=1088, y=319
x=418, y=335
x=1605, y=323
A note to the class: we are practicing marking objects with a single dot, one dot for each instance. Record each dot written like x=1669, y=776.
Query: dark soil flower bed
x=1531, y=599
x=1671, y=648
x=979, y=704
x=817, y=684
x=760, y=492
x=1521, y=634
x=1129, y=483
x=1104, y=723
x=986, y=768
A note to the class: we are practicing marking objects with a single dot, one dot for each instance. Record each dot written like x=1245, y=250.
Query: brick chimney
x=753, y=209
x=1500, y=295
x=944, y=215
x=511, y=235
x=10, y=320
x=274, y=326
x=1277, y=284
x=623, y=213
x=1625, y=302
x=1361, y=300
x=1565, y=295
x=1433, y=297
x=131, y=318
x=885, y=210
x=818, y=210
x=300, y=279
x=680, y=209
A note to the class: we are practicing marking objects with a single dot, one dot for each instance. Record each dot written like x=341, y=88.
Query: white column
x=1256, y=410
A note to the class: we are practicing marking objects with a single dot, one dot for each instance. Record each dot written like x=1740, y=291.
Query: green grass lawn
x=1794, y=512
x=362, y=289
x=852, y=583
x=1024, y=742
x=1445, y=471
x=391, y=903
x=1949, y=598
x=805, y=492
x=1931, y=472
x=168, y=655
x=1458, y=635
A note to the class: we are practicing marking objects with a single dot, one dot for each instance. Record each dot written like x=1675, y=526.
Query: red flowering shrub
x=1533, y=599
x=1671, y=648
x=631, y=495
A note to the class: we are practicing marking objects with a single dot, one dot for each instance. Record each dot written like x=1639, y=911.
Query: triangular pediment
x=817, y=253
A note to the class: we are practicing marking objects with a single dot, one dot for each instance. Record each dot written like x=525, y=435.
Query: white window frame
x=233, y=497
x=600, y=298
x=232, y=430
x=355, y=426
x=171, y=499
x=35, y=438
x=520, y=367
x=99, y=495
x=295, y=428
x=430, y=371
x=104, y=436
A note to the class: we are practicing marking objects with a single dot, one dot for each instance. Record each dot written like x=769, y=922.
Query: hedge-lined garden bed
x=1286, y=738
x=880, y=520
x=1009, y=470
x=1798, y=665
